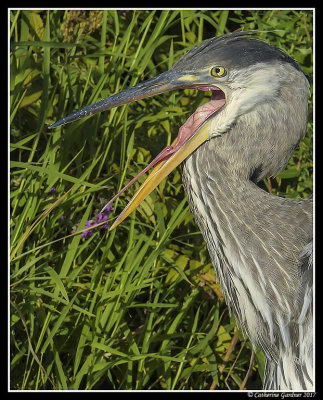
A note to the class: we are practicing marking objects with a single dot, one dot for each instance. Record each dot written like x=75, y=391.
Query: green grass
x=136, y=308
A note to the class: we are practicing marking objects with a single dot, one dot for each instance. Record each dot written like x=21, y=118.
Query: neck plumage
x=255, y=239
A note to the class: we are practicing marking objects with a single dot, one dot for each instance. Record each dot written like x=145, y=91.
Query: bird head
x=243, y=73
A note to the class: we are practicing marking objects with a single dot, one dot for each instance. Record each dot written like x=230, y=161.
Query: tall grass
x=138, y=307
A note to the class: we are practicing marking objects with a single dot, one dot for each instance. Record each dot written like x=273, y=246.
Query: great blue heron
x=260, y=244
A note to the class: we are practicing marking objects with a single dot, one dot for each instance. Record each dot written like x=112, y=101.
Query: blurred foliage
x=139, y=307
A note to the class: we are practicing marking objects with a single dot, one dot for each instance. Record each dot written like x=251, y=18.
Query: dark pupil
x=217, y=70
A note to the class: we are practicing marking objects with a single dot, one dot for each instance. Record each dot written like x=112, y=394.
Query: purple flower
x=62, y=218
x=86, y=234
x=100, y=217
x=108, y=209
x=52, y=190
x=89, y=233
x=104, y=215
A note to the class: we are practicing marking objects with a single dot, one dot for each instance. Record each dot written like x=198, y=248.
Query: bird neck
x=249, y=234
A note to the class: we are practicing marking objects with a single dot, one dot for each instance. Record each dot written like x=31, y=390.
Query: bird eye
x=218, y=71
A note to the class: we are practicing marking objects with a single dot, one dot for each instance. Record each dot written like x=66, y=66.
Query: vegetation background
x=138, y=307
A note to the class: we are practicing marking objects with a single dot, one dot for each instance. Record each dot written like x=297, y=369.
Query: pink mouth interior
x=185, y=132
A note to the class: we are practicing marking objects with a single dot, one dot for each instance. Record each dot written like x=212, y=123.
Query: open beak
x=191, y=135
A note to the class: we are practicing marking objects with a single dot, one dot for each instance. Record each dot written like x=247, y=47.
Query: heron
x=260, y=244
